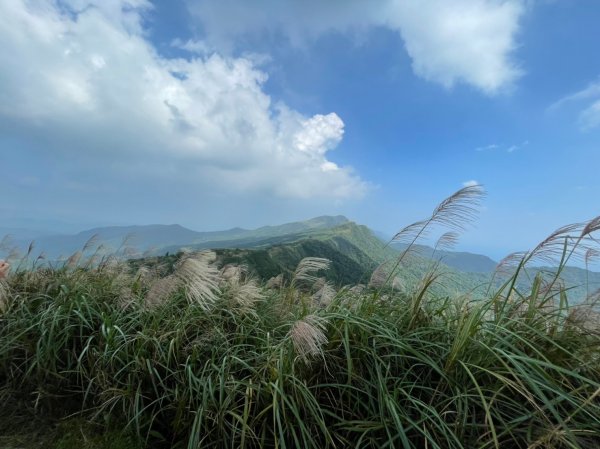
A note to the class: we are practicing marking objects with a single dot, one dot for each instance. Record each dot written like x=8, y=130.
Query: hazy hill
x=158, y=239
x=354, y=250
x=461, y=261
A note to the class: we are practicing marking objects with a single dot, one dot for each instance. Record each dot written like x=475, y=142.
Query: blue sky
x=236, y=113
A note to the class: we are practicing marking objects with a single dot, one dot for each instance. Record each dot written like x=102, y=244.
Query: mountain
x=355, y=251
x=461, y=261
x=157, y=239
x=17, y=234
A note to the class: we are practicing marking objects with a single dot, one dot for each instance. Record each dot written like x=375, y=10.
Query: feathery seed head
x=309, y=267
x=590, y=255
x=380, y=275
x=244, y=296
x=585, y=316
x=591, y=226
x=200, y=278
x=459, y=209
x=308, y=336
x=455, y=212
x=324, y=295
x=161, y=290
x=447, y=241
x=74, y=259
x=507, y=265
x=233, y=274
x=90, y=242
x=357, y=289
x=275, y=282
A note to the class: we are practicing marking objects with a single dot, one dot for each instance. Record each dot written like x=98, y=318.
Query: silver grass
x=381, y=275
x=324, y=295
x=508, y=264
x=233, y=274
x=275, y=282
x=74, y=259
x=308, y=337
x=412, y=232
x=143, y=274
x=128, y=239
x=3, y=296
x=592, y=226
x=556, y=244
x=591, y=255
x=459, y=209
x=161, y=290
x=455, y=212
x=131, y=252
x=319, y=283
x=573, y=241
x=308, y=268
x=447, y=241
x=586, y=316
x=398, y=284
x=200, y=278
x=244, y=296
x=90, y=242
x=115, y=267
x=357, y=289
x=126, y=298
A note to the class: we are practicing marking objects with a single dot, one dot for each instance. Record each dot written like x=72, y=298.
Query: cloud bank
x=449, y=42
x=80, y=79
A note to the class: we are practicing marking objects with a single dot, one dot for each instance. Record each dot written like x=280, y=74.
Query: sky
x=215, y=114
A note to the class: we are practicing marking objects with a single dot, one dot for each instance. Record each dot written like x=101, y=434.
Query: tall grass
x=206, y=357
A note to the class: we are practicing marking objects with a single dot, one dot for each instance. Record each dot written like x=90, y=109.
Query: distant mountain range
x=355, y=251
x=157, y=239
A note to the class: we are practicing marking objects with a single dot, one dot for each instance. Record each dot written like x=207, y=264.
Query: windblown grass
x=206, y=357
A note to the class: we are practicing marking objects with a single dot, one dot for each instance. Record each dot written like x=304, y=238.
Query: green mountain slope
x=354, y=252
x=269, y=262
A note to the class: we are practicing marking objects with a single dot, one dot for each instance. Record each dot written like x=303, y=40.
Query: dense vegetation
x=201, y=355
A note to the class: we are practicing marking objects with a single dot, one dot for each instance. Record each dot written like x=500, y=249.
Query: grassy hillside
x=202, y=356
x=190, y=351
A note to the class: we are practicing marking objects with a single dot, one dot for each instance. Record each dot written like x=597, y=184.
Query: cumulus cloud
x=470, y=183
x=462, y=41
x=81, y=77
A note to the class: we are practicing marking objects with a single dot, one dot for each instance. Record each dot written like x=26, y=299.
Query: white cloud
x=508, y=148
x=490, y=147
x=462, y=41
x=81, y=77
x=319, y=134
x=470, y=183
x=465, y=40
x=193, y=46
x=589, y=112
x=590, y=116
